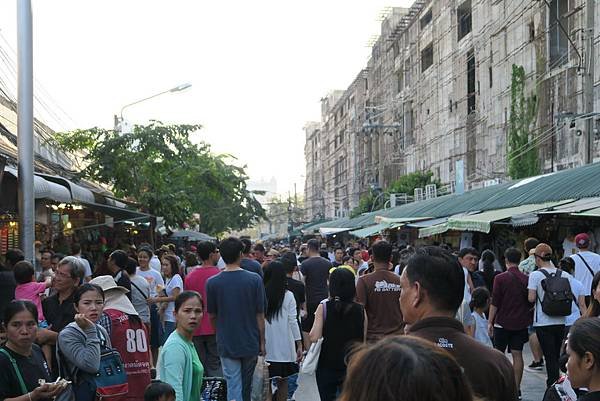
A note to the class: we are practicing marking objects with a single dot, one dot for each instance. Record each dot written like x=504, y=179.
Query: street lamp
x=119, y=119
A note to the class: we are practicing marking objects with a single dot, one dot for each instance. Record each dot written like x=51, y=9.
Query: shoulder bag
x=17, y=371
x=586, y=264
x=311, y=360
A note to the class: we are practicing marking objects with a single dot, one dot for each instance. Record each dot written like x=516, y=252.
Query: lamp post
x=25, y=128
x=119, y=119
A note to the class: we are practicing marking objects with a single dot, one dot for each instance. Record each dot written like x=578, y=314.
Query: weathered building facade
x=439, y=89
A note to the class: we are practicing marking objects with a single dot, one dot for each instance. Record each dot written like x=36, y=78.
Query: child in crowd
x=28, y=289
x=480, y=302
x=159, y=391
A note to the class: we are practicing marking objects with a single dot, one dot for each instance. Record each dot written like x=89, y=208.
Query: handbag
x=214, y=389
x=260, y=380
x=311, y=360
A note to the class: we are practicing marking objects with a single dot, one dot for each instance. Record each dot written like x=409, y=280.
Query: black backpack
x=558, y=296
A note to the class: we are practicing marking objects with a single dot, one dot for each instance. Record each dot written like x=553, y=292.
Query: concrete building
x=438, y=92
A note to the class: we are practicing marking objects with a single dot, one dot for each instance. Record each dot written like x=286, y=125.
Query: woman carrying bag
x=343, y=325
x=22, y=362
x=79, y=343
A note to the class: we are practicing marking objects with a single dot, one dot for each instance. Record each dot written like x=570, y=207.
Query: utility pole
x=25, y=128
x=588, y=81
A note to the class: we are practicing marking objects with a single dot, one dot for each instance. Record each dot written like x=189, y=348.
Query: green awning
x=588, y=213
x=483, y=221
x=382, y=219
x=371, y=230
x=433, y=230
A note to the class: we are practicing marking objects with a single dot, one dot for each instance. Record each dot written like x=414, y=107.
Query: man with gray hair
x=59, y=309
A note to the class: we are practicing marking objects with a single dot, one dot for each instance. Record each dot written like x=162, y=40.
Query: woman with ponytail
x=342, y=323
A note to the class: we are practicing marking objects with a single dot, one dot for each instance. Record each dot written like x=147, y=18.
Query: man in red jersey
x=204, y=339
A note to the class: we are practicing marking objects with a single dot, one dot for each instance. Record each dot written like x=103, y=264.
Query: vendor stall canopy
x=519, y=200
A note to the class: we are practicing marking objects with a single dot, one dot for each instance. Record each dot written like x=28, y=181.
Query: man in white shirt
x=76, y=251
x=568, y=246
x=155, y=263
x=587, y=264
x=549, y=329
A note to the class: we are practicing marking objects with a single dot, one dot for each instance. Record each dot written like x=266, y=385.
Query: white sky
x=258, y=68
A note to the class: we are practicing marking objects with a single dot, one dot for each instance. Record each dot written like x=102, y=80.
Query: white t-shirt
x=568, y=247
x=139, y=296
x=535, y=283
x=86, y=266
x=171, y=284
x=155, y=263
x=467, y=290
x=577, y=289
x=153, y=278
x=582, y=273
x=481, y=329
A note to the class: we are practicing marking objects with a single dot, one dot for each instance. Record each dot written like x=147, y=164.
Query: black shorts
x=513, y=339
x=282, y=369
x=309, y=319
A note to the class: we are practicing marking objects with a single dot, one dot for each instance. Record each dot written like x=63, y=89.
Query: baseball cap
x=582, y=240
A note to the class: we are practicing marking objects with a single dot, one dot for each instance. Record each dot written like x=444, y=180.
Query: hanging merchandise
x=3, y=240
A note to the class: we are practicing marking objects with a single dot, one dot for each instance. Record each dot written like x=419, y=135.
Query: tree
x=159, y=167
x=522, y=156
x=405, y=184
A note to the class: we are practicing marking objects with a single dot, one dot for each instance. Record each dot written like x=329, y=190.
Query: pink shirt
x=196, y=281
x=31, y=292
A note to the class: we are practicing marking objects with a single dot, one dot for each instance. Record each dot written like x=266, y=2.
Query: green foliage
x=365, y=204
x=405, y=184
x=523, y=158
x=159, y=167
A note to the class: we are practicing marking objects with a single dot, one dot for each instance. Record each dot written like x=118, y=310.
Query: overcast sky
x=258, y=68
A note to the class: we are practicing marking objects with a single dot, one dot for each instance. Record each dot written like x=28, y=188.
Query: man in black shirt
x=316, y=272
x=59, y=309
x=290, y=263
x=432, y=291
x=117, y=263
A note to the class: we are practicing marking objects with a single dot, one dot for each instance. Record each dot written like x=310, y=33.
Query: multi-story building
x=440, y=89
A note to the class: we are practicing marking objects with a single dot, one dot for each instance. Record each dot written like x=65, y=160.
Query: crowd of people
x=412, y=324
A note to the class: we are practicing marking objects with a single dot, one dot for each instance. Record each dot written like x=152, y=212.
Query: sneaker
x=536, y=365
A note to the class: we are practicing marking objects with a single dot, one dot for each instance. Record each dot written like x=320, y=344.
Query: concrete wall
x=439, y=119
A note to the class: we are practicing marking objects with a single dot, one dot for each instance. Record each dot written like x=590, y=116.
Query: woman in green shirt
x=178, y=362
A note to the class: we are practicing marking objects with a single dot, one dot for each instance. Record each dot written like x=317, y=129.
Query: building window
x=471, y=94
x=558, y=43
x=400, y=81
x=463, y=17
x=531, y=28
x=491, y=76
x=426, y=19
x=426, y=57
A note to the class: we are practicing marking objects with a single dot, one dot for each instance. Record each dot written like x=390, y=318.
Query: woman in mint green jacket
x=178, y=362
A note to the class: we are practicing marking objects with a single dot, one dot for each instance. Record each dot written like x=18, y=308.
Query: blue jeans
x=238, y=372
x=169, y=328
x=292, y=386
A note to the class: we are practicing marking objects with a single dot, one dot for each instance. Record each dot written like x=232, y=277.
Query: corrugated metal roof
x=483, y=221
x=371, y=230
x=576, y=183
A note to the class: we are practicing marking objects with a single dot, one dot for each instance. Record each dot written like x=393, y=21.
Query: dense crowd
x=372, y=324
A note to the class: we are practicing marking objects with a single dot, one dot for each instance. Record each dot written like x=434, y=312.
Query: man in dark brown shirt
x=432, y=290
x=379, y=292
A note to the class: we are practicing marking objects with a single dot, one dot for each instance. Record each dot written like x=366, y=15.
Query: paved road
x=532, y=386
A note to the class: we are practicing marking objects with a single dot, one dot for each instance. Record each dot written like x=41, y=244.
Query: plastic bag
x=260, y=380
